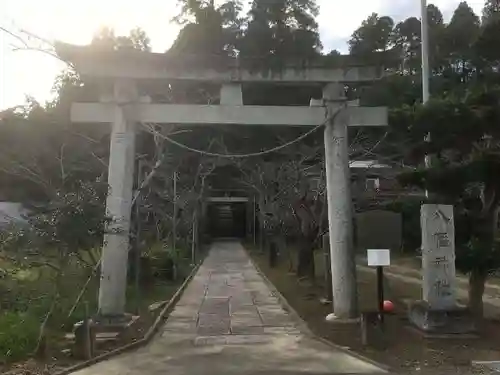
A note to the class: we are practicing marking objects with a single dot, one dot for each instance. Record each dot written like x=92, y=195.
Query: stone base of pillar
x=332, y=318
x=114, y=320
x=91, y=334
x=454, y=321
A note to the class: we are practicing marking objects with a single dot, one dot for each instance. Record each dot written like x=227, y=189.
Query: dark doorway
x=227, y=219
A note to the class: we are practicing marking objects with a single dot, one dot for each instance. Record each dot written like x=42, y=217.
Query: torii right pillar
x=340, y=215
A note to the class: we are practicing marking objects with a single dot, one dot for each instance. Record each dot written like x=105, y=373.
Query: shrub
x=18, y=335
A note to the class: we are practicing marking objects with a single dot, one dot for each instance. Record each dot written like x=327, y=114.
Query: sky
x=32, y=73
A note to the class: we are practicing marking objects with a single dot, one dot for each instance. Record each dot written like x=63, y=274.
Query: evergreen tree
x=491, y=10
x=282, y=29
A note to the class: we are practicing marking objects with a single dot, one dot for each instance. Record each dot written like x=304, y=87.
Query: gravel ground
x=403, y=349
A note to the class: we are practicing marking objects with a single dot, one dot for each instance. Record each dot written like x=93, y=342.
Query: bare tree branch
x=17, y=37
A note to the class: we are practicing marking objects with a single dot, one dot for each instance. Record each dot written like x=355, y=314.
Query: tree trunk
x=305, y=265
x=273, y=255
x=477, y=281
x=303, y=261
x=261, y=224
x=487, y=233
x=312, y=267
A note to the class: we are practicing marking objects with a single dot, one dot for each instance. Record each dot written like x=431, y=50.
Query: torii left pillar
x=113, y=282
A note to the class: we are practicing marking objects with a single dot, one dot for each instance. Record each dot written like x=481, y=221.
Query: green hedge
x=18, y=335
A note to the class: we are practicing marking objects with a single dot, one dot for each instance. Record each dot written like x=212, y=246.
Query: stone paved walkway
x=228, y=322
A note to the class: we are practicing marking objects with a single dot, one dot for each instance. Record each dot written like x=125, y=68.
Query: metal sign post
x=379, y=258
x=380, y=293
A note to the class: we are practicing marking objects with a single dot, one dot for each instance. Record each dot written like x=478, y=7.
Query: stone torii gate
x=122, y=73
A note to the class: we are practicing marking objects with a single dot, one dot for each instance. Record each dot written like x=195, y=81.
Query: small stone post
x=438, y=256
x=438, y=312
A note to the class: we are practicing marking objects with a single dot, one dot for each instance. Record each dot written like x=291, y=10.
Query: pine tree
x=491, y=10
x=286, y=29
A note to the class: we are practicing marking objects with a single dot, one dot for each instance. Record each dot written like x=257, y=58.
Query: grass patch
x=26, y=296
x=18, y=335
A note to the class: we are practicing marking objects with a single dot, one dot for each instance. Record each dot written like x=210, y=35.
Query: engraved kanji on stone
x=443, y=240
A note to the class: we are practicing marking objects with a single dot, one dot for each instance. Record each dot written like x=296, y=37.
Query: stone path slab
x=228, y=322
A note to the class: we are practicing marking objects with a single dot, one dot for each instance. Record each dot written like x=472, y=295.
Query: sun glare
x=69, y=21
x=32, y=73
x=63, y=20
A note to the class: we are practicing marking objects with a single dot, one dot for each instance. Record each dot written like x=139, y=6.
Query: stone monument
x=438, y=312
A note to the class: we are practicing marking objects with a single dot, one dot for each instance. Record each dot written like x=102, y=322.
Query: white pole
x=425, y=70
x=425, y=52
x=174, y=224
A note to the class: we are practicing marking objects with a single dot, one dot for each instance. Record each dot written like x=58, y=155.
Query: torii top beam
x=160, y=66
